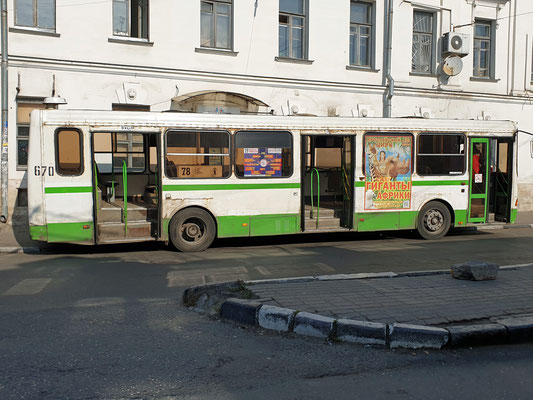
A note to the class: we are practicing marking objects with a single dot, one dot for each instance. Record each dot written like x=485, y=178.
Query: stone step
x=324, y=212
x=116, y=231
x=134, y=214
x=323, y=223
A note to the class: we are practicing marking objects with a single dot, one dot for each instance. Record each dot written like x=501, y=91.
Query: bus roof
x=125, y=119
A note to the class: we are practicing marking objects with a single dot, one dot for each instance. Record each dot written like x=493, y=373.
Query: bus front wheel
x=192, y=229
x=433, y=220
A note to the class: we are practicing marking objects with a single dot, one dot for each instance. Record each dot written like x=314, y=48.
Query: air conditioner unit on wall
x=456, y=43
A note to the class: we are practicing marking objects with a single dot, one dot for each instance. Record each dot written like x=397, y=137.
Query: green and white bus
x=98, y=177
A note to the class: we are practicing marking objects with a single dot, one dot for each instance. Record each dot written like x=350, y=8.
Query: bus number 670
x=43, y=170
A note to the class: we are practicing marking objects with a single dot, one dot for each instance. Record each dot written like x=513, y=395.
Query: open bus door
x=126, y=186
x=479, y=178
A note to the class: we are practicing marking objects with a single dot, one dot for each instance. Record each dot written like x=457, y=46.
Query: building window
x=194, y=155
x=263, y=154
x=361, y=34
x=216, y=24
x=113, y=149
x=36, y=13
x=423, y=31
x=483, y=49
x=130, y=18
x=68, y=148
x=440, y=154
x=23, y=131
x=292, y=35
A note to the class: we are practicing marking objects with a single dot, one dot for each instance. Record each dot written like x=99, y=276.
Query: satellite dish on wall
x=453, y=65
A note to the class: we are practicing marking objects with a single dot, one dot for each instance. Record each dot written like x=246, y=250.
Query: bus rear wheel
x=433, y=220
x=192, y=229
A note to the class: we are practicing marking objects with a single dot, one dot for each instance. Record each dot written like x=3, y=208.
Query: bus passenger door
x=347, y=172
x=479, y=177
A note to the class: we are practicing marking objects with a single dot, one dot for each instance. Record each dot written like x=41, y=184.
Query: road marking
x=324, y=267
x=262, y=270
x=28, y=287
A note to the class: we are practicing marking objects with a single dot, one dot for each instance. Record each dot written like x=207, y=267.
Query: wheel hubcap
x=434, y=220
x=192, y=230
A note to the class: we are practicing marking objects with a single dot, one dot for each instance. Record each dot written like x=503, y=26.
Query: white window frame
x=432, y=36
x=214, y=24
x=127, y=33
x=35, y=24
x=371, y=26
x=290, y=24
x=491, y=51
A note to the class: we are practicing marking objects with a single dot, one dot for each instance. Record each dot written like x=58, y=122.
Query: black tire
x=192, y=229
x=433, y=220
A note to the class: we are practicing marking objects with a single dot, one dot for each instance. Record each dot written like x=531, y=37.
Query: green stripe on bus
x=231, y=186
x=439, y=183
x=71, y=189
x=64, y=232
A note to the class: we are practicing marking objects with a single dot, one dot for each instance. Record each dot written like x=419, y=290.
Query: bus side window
x=441, y=154
x=68, y=152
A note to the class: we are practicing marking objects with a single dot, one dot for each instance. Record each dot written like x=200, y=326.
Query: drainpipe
x=4, y=158
x=388, y=80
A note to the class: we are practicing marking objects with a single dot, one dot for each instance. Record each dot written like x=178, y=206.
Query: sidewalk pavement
x=435, y=300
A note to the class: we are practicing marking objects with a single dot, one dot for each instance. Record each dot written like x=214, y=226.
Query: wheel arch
x=442, y=201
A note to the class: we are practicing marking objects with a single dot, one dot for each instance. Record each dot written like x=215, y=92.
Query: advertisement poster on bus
x=388, y=172
x=262, y=161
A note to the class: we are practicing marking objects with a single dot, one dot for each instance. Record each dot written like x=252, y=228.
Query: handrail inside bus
x=125, y=183
x=318, y=196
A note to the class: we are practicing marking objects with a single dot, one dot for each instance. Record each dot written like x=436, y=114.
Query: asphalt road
x=107, y=323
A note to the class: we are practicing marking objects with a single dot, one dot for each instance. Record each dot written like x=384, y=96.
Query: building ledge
x=34, y=31
x=423, y=75
x=212, y=50
x=355, y=68
x=294, y=60
x=476, y=79
x=129, y=40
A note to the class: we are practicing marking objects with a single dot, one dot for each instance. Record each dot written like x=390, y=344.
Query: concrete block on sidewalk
x=239, y=310
x=475, y=271
x=361, y=332
x=475, y=335
x=417, y=336
x=313, y=325
x=519, y=329
x=275, y=318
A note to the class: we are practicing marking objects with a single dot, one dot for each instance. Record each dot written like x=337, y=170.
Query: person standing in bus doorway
x=476, y=161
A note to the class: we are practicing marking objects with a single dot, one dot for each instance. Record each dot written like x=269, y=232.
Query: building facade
x=451, y=59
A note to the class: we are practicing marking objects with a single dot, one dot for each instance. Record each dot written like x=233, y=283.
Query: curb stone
x=395, y=335
x=476, y=335
x=417, y=336
x=17, y=249
x=308, y=324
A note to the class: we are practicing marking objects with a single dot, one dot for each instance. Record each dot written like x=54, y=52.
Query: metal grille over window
x=482, y=49
x=192, y=155
x=263, y=154
x=216, y=24
x=360, y=33
x=440, y=154
x=36, y=13
x=69, y=152
x=130, y=18
x=23, y=130
x=292, y=29
x=422, y=42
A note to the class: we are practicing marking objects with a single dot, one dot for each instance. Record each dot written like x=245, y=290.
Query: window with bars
x=423, y=40
x=130, y=18
x=482, y=49
x=361, y=34
x=216, y=24
x=292, y=35
x=36, y=13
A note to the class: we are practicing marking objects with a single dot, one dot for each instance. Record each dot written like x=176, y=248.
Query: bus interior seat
x=107, y=187
x=171, y=169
